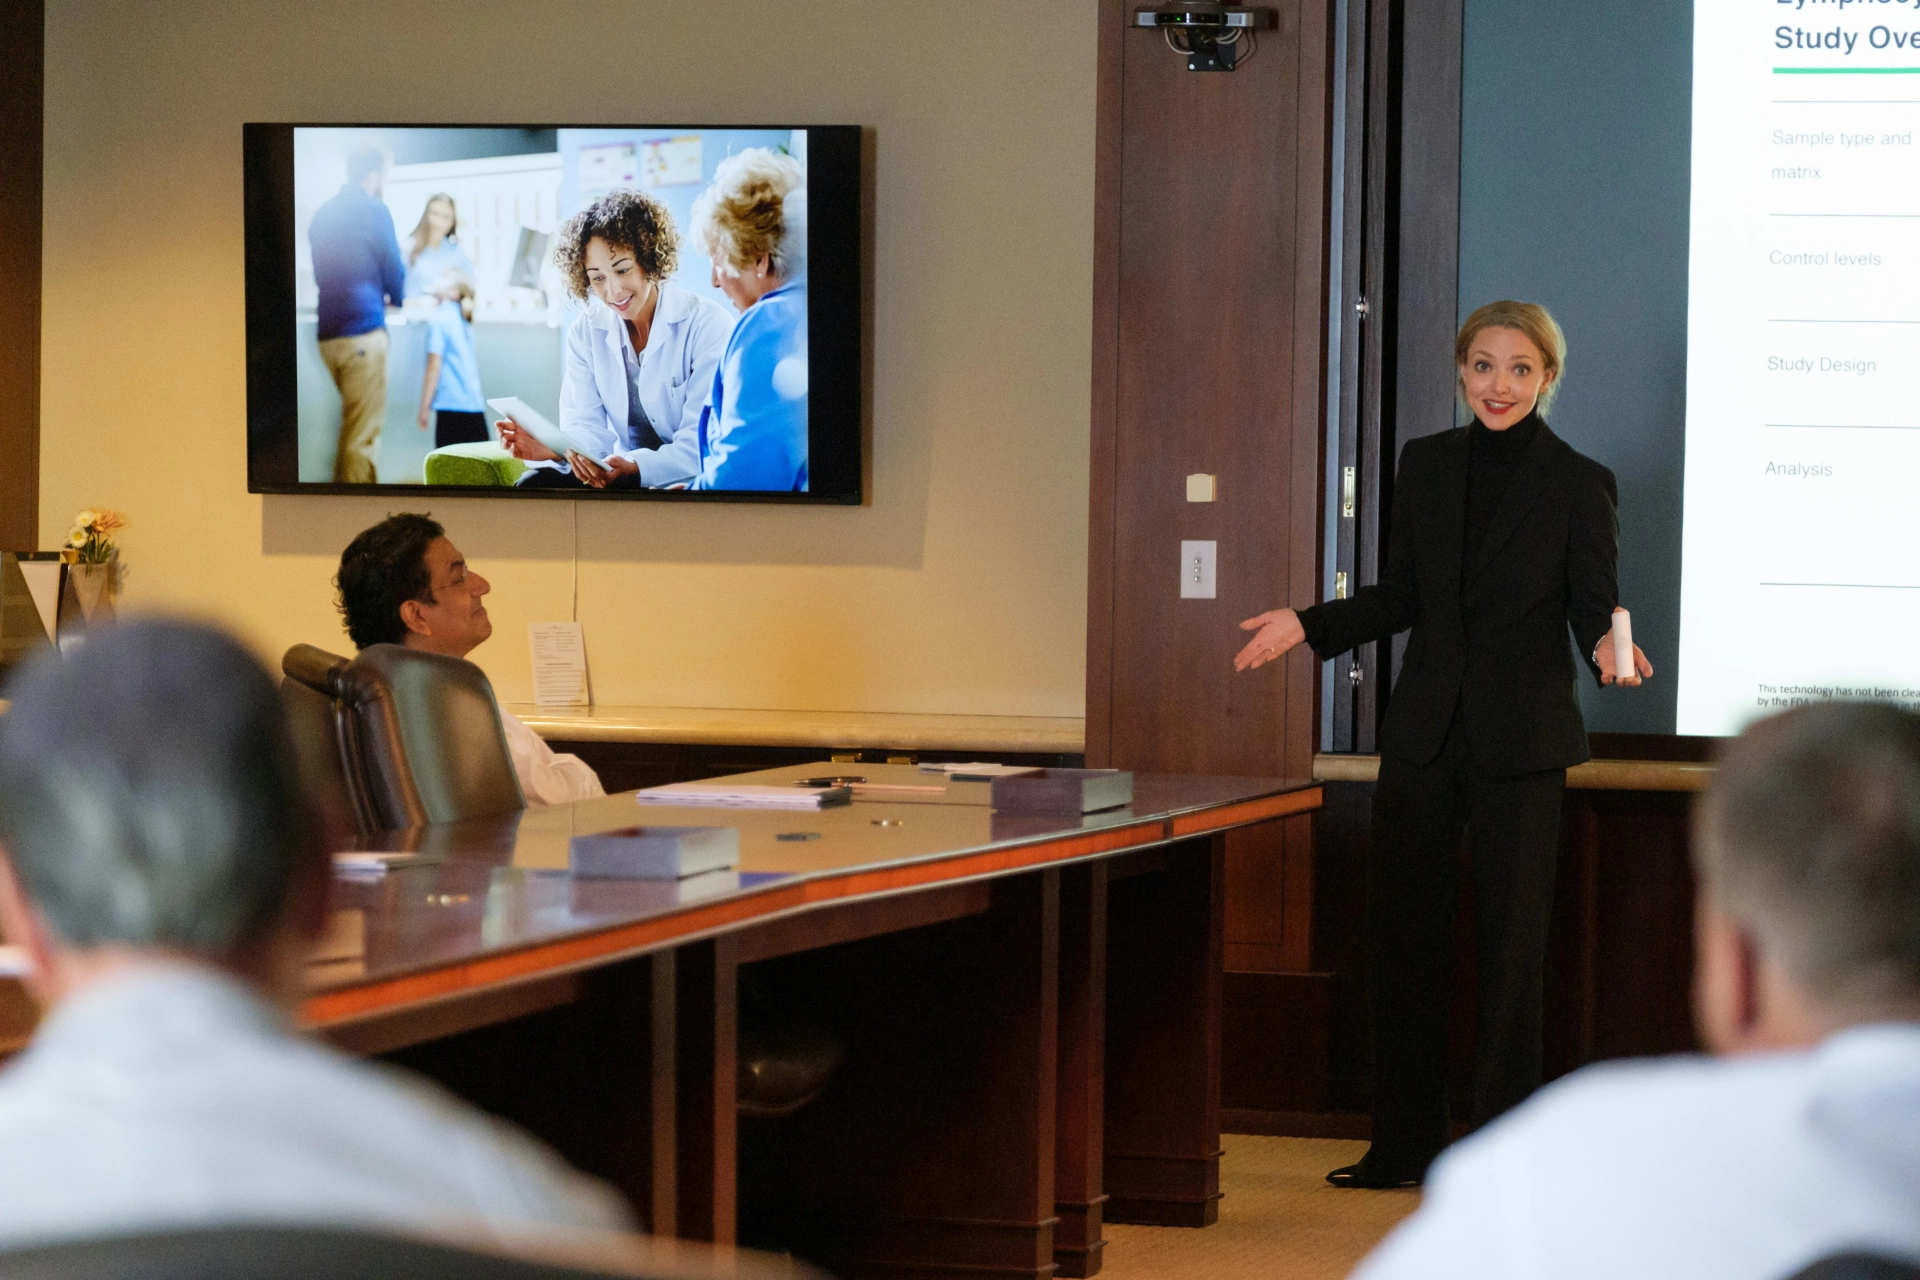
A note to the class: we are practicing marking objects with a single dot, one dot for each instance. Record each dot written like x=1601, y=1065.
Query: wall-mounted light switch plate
x=1196, y=570
x=1200, y=487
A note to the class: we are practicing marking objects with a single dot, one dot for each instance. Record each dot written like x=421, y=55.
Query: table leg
x=1166, y=924
x=707, y=1007
x=1078, y=1175
x=932, y=1151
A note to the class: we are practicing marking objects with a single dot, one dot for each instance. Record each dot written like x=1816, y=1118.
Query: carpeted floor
x=1279, y=1220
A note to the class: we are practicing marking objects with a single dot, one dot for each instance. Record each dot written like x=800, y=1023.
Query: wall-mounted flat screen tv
x=664, y=312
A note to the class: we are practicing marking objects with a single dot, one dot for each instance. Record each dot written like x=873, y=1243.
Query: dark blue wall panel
x=1574, y=159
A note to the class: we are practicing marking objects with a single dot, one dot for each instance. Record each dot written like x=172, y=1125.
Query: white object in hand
x=1623, y=667
x=537, y=424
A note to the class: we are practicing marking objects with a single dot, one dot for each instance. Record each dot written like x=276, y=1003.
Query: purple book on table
x=1063, y=791
x=653, y=853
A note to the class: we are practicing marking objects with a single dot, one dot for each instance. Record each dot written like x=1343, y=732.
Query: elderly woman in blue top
x=752, y=222
x=638, y=359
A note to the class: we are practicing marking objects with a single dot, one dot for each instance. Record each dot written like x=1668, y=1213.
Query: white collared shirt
x=685, y=342
x=547, y=776
x=174, y=1096
x=1747, y=1168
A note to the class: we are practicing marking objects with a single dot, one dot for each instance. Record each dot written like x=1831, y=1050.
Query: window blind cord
x=576, y=560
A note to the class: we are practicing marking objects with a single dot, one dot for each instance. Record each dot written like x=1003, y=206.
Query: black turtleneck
x=1491, y=459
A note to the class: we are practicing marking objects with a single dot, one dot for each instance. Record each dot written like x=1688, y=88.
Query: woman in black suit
x=1503, y=538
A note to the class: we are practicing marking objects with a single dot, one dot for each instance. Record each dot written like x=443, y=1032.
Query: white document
x=744, y=795
x=980, y=769
x=559, y=664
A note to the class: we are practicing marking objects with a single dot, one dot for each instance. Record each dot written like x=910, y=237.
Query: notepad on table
x=979, y=771
x=377, y=863
x=654, y=853
x=745, y=797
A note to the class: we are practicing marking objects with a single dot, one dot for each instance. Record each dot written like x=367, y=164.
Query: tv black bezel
x=835, y=418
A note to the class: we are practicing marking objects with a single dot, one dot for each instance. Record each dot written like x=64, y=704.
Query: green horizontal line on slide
x=1846, y=71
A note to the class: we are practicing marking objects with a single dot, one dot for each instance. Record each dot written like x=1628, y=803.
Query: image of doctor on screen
x=751, y=221
x=638, y=358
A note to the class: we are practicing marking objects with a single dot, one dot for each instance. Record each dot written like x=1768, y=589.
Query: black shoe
x=1375, y=1176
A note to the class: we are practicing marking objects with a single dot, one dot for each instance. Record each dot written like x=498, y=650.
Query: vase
x=87, y=601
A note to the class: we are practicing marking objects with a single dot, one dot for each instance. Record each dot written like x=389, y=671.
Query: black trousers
x=458, y=426
x=1513, y=828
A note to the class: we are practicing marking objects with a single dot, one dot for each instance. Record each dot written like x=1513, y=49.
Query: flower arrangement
x=91, y=538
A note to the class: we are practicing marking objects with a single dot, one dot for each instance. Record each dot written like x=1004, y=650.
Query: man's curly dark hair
x=382, y=569
x=625, y=220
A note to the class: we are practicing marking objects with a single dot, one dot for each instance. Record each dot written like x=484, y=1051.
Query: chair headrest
x=315, y=668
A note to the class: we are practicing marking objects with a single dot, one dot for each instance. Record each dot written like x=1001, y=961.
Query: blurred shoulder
x=1629, y=1107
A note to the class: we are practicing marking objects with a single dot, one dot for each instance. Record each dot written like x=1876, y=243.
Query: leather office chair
x=1858, y=1266
x=301, y=1253
x=427, y=733
x=323, y=735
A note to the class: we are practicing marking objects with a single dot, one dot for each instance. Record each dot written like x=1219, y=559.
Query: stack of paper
x=372, y=865
x=979, y=771
x=747, y=797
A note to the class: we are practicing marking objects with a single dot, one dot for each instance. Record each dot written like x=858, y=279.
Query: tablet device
x=533, y=420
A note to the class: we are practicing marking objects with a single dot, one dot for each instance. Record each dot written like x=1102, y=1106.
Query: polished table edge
x=721, y=727
x=1594, y=775
x=342, y=1005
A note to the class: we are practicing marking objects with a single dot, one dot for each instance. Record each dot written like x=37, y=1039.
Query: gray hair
x=149, y=794
x=755, y=207
x=1810, y=836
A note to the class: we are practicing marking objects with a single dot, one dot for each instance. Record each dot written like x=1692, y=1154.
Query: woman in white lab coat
x=638, y=360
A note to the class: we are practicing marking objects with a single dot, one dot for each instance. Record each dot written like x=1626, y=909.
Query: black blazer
x=1490, y=636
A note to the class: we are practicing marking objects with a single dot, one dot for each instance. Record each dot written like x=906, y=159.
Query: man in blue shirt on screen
x=357, y=265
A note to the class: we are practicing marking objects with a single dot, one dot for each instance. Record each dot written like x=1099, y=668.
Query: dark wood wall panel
x=1209, y=323
x=22, y=83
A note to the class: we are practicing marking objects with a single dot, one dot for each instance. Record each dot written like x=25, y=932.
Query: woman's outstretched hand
x=1278, y=632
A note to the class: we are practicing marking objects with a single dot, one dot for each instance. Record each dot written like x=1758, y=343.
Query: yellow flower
x=105, y=521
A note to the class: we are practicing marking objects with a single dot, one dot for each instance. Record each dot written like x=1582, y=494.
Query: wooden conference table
x=1029, y=1006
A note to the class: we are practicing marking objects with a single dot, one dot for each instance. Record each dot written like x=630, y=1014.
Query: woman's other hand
x=520, y=442
x=599, y=475
x=1278, y=631
x=426, y=418
x=1643, y=670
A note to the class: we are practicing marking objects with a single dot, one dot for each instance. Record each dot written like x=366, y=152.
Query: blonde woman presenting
x=1503, y=540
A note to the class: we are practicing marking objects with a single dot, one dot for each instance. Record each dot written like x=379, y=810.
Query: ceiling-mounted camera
x=1214, y=37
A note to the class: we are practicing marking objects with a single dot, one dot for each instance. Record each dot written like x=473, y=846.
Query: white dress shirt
x=1748, y=1168
x=547, y=776
x=685, y=342
x=173, y=1096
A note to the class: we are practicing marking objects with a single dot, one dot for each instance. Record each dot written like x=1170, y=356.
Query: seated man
x=1803, y=1139
x=401, y=582
x=159, y=866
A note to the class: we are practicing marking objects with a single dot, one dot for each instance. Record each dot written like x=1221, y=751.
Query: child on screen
x=450, y=399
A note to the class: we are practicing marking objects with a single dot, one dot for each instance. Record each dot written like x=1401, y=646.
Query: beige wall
x=959, y=587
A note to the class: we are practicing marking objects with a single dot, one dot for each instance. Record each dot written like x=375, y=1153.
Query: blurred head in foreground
x=1808, y=849
x=150, y=809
